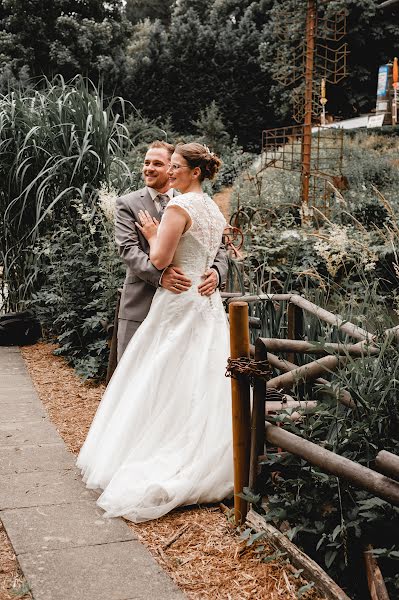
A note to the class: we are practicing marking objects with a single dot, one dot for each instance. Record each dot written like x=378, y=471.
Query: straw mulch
x=12, y=582
x=199, y=547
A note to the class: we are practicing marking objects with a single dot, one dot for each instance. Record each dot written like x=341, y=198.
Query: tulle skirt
x=162, y=435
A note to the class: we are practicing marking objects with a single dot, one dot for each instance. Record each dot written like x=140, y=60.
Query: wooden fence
x=251, y=430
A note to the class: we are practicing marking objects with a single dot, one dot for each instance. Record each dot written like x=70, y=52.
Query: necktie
x=163, y=199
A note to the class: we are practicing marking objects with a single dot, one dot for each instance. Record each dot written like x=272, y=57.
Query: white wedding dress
x=162, y=435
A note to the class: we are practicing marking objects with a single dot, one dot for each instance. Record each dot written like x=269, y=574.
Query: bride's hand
x=149, y=225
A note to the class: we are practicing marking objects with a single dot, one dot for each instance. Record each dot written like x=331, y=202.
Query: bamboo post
x=344, y=396
x=332, y=463
x=304, y=347
x=258, y=418
x=239, y=347
x=377, y=588
x=387, y=463
x=294, y=326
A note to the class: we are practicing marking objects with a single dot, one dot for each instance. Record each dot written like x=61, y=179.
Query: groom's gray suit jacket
x=142, y=278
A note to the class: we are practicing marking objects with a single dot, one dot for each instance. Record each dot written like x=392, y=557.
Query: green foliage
x=354, y=246
x=58, y=143
x=208, y=53
x=348, y=264
x=331, y=519
x=80, y=275
x=138, y=10
x=66, y=37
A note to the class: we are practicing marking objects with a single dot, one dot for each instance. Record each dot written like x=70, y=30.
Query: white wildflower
x=106, y=200
x=80, y=208
x=369, y=266
x=289, y=233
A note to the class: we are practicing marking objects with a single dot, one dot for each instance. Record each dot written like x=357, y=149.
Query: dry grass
x=198, y=546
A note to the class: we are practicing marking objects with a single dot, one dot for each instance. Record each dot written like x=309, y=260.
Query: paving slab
x=26, y=433
x=44, y=457
x=42, y=488
x=66, y=548
x=17, y=396
x=11, y=388
x=52, y=527
x=123, y=570
x=18, y=412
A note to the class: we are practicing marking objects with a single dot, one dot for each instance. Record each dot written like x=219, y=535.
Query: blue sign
x=382, y=86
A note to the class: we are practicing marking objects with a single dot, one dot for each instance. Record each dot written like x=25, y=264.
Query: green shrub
x=80, y=275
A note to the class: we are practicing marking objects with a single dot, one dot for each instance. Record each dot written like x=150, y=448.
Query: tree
x=139, y=10
x=64, y=36
x=208, y=54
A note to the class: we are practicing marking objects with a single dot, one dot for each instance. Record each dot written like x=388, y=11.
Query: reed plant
x=58, y=142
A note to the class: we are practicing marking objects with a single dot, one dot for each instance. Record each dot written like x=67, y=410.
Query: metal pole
x=241, y=415
x=307, y=127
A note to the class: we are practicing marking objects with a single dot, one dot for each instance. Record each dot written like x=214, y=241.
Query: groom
x=142, y=278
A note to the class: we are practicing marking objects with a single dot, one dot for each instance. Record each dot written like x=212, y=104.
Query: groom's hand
x=174, y=280
x=210, y=283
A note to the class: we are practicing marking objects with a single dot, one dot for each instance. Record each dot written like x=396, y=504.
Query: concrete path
x=66, y=550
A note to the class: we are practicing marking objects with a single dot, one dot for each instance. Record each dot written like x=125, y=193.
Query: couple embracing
x=161, y=437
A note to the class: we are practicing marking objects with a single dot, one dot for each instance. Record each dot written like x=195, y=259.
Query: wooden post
x=308, y=372
x=311, y=570
x=377, y=587
x=239, y=346
x=283, y=365
x=258, y=418
x=294, y=326
x=302, y=347
x=387, y=463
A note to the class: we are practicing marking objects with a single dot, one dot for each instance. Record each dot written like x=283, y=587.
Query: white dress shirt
x=154, y=195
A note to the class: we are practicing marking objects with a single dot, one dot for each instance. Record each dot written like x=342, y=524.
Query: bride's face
x=181, y=176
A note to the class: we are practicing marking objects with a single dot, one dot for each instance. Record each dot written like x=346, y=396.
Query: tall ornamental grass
x=58, y=142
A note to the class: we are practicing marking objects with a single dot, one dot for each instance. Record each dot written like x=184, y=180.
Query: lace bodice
x=199, y=245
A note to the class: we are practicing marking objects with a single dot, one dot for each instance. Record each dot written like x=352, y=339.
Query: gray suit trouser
x=126, y=330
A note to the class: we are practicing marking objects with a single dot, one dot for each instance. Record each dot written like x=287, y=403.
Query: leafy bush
x=81, y=272
x=330, y=518
x=345, y=250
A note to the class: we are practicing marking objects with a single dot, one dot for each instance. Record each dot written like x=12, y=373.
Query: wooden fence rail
x=247, y=450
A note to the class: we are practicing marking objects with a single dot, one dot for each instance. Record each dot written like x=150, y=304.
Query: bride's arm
x=163, y=240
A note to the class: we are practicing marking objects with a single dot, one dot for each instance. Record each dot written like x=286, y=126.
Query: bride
x=161, y=437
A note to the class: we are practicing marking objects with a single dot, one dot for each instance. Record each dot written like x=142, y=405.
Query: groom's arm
x=129, y=248
x=221, y=266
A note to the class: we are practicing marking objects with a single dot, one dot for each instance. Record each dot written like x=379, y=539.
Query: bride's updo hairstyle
x=200, y=156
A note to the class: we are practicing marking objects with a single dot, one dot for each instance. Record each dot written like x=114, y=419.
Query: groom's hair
x=165, y=145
